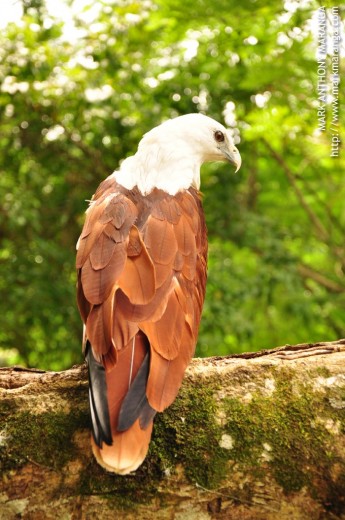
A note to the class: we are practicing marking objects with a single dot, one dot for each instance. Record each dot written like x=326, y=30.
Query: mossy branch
x=254, y=436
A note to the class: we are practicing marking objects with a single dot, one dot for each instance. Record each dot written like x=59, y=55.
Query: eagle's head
x=195, y=135
x=170, y=155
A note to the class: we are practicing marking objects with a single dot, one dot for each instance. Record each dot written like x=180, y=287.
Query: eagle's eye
x=219, y=136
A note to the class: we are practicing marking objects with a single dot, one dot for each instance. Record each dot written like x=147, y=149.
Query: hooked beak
x=234, y=157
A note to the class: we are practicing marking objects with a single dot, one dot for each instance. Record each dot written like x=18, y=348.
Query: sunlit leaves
x=81, y=82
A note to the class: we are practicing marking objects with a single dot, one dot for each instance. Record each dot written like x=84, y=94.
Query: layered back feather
x=141, y=264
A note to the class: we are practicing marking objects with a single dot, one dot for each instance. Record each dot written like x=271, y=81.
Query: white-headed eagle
x=141, y=264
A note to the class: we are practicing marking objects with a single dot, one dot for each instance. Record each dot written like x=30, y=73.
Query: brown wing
x=143, y=273
x=142, y=267
x=175, y=237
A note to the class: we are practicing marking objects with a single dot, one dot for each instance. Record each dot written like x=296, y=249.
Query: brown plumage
x=141, y=264
x=139, y=291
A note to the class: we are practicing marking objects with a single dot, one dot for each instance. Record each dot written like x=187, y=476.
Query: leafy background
x=80, y=82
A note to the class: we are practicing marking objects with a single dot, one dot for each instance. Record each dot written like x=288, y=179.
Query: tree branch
x=256, y=436
x=319, y=278
x=321, y=230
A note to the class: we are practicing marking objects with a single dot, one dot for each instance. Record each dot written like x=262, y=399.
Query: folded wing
x=141, y=283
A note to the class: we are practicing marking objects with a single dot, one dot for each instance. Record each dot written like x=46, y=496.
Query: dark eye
x=219, y=136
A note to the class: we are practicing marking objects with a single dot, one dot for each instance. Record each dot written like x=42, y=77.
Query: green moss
x=44, y=439
x=47, y=439
x=300, y=448
x=126, y=491
x=284, y=431
x=188, y=434
x=322, y=371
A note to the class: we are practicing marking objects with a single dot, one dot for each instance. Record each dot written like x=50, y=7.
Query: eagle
x=142, y=268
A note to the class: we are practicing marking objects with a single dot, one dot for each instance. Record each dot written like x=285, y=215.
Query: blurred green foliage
x=79, y=88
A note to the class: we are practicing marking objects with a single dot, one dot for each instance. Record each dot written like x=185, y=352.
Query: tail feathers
x=101, y=428
x=135, y=405
x=128, y=451
x=122, y=418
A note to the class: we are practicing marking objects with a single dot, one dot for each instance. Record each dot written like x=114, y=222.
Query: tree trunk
x=253, y=436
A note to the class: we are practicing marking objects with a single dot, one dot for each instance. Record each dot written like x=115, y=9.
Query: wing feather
x=166, y=376
x=124, y=329
x=98, y=284
x=102, y=252
x=165, y=334
x=99, y=329
x=137, y=279
x=185, y=237
x=149, y=312
x=160, y=240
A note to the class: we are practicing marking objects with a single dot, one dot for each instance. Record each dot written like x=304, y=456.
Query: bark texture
x=257, y=436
